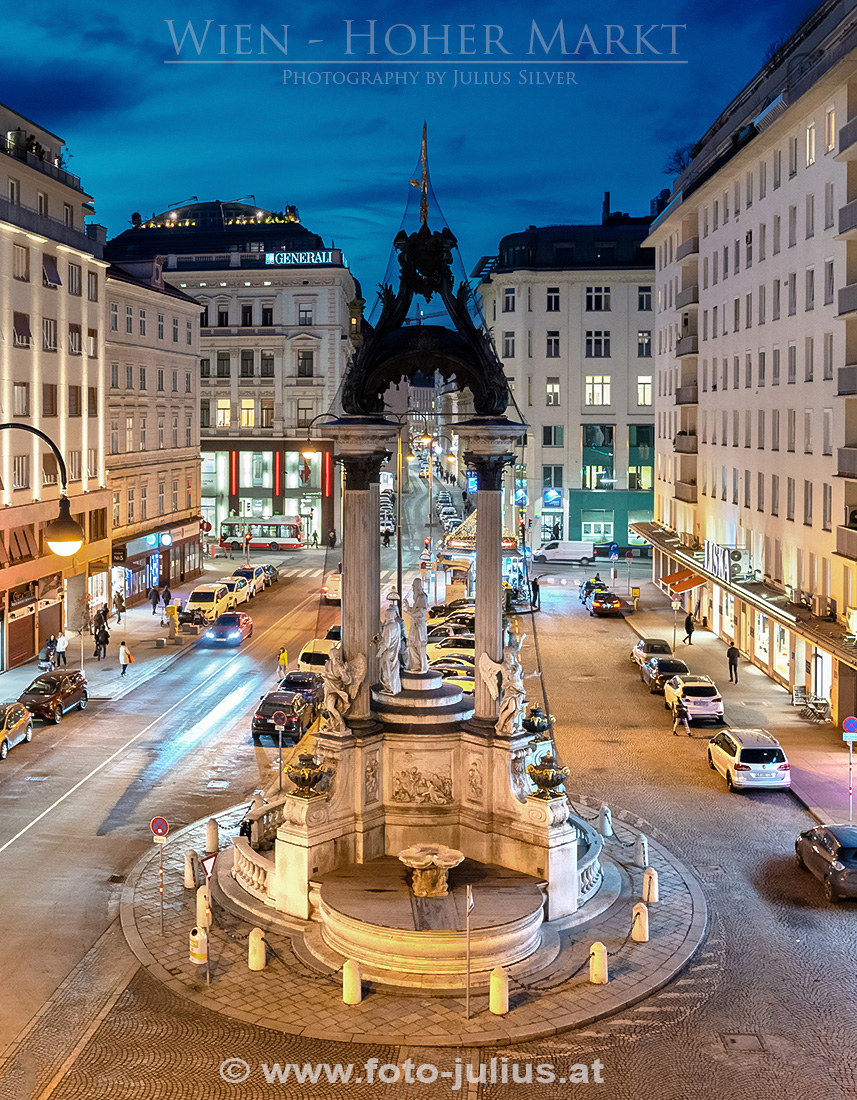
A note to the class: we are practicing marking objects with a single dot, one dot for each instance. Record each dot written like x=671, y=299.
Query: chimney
x=605, y=208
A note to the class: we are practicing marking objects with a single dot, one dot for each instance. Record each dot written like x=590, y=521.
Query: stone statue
x=511, y=691
x=389, y=645
x=342, y=680
x=417, y=631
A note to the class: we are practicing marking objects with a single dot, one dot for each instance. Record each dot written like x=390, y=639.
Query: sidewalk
x=816, y=752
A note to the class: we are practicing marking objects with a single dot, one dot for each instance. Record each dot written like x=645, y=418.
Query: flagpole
x=467, y=994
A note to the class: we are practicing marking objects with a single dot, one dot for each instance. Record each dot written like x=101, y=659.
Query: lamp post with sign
x=676, y=606
x=849, y=734
x=279, y=717
x=160, y=827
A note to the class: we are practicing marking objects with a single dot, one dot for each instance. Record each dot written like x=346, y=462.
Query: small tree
x=678, y=160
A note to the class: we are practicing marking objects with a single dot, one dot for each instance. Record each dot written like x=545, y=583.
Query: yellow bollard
x=352, y=985
x=640, y=925
x=598, y=964
x=257, y=955
x=498, y=993
x=650, y=886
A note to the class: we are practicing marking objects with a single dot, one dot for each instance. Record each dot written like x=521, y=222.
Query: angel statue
x=511, y=689
x=342, y=680
x=417, y=630
x=389, y=644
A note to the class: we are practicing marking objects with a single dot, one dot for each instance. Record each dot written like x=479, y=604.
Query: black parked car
x=657, y=670
x=308, y=684
x=52, y=694
x=291, y=704
x=830, y=853
x=272, y=572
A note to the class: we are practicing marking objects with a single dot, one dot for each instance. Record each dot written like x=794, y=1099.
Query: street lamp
x=64, y=535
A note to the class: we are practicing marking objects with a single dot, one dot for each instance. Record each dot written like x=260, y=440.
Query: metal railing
x=25, y=217
x=17, y=149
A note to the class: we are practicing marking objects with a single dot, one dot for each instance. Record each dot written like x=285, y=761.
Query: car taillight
x=259, y=716
x=717, y=699
x=784, y=768
x=742, y=767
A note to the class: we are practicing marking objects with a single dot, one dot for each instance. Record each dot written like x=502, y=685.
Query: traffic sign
x=676, y=605
x=614, y=555
x=160, y=826
x=613, y=548
x=849, y=729
x=205, y=526
x=279, y=719
x=207, y=864
x=629, y=555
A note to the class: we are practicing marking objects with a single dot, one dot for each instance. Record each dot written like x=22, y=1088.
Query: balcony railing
x=687, y=248
x=846, y=542
x=27, y=218
x=687, y=395
x=685, y=491
x=847, y=380
x=687, y=297
x=17, y=149
x=848, y=217
x=847, y=462
x=847, y=135
x=848, y=298
x=686, y=444
x=687, y=345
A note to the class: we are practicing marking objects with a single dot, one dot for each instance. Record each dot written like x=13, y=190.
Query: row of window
x=763, y=420
x=773, y=504
x=122, y=436
x=597, y=344
x=251, y=413
x=137, y=501
x=597, y=299
x=22, y=468
x=304, y=364
x=143, y=321
x=43, y=203
x=50, y=273
x=22, y=404
x=142, y=376
x=22, y=336
x=601, y=476
x=248, y=309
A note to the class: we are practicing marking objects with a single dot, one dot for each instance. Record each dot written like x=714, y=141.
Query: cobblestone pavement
x=765, y=1008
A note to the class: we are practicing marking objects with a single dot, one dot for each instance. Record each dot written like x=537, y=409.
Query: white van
x=574, y=553
x=211, y=599
x=313, y=656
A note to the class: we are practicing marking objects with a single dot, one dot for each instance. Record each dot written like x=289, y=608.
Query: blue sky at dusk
x=145, y=135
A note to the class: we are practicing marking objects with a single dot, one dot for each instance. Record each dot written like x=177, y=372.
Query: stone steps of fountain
x=446, y=714
x=438, y=696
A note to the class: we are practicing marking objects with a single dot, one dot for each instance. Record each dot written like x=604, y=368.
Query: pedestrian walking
x=97, y=622
x=386, y=538
x=51, y=651
x=680, y=717
x=101, y=640
x=688, y=629
x=125, y=657
x=556, y=532
x=119, y=606
x=282, y=662
x=154, y=598
x=732, y=655
x=331, y=539
x=535, y=594
x=315, y=540
x=167, y=596
x=62, y=646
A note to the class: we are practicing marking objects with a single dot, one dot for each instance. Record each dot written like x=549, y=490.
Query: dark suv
x=53, y=693
x=293, y=707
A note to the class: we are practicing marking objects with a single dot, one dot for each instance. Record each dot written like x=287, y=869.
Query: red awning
x=681, y=575
x=693, y=581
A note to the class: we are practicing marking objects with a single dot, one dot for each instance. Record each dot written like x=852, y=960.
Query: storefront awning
x=674, y=578
x=693, y=581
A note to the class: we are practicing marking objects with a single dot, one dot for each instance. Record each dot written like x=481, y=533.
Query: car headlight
x=234, y=634
x=209, y=634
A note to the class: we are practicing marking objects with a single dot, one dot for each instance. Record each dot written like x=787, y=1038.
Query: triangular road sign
x=207, y=864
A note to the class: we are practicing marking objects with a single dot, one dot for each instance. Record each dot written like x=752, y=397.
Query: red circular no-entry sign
x=160, y=826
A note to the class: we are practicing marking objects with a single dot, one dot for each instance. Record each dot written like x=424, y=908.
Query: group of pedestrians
x=55, y=650
x=156, y=595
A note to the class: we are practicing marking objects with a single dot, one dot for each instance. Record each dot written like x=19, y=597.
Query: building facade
x=52, y=286
x=570, y=308
x=279, y=309
x=152, y=429
x=756, y=413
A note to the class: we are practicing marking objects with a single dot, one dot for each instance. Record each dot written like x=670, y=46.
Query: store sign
x=50, y=587
x=718, y=560
x=298, y=259
x=120, y=555
x=23, y=595
x=553, y=498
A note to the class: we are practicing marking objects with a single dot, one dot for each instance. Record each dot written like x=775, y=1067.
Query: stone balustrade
x=251, y=870
x=265, y=821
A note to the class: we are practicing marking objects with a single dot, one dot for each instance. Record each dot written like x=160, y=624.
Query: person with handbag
x=126, y=657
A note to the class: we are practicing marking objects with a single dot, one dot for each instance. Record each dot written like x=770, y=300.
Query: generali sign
x=718, y=561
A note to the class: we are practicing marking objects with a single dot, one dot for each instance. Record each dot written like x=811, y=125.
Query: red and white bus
x=274, y=533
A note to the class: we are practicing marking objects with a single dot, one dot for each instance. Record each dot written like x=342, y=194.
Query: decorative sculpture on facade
x=417, y=630
x=342, y=680
x=389, y=645
x=511, y=690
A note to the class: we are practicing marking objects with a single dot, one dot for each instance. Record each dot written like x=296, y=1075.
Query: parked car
x=239, y=591
x=53, y=694
x=699, y=694
x=603, y=603
x=314, y=654
x=830, y=853
x=590, y=586
x=749, y=758
x=438, y=610
x=650, y=647
x=210, y=600
x=229, y=629
x=308, y=684
x=448, y=630
x=464, y=643
x=461, y=662
x=464, y=680
x=256, y=575
x=334, y=632
x=289, y=703
x=463, y=617
x=387, y=527
x=331, y=590
x=272, y=572
x=16, y=725
x=572, y=553
x=657, y=670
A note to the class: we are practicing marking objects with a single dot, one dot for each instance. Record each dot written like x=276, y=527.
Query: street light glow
x=64, y=535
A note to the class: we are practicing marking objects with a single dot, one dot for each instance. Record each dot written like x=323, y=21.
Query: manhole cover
x=742, y=1041
x=217, y=785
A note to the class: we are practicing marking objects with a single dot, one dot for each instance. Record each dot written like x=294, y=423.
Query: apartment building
x=52, y=286
x=570, y=308
x=152, y=428
x=278, y=309
x=756, y=394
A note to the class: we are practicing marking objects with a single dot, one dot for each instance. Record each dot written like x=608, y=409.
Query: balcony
x=34, y=222
x=848, y=299
x=848, y=220
x=847, y=380
x=687, y=345
x=16, y=147
x=687, y=395
x=848, y=141
x=686, y=444
x=687, y=297
x=846, y=542
x=687, y=248
x=686, y=491
x=214, y=331
x=847, y=462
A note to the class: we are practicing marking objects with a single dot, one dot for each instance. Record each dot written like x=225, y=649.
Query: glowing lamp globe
x=64, y=535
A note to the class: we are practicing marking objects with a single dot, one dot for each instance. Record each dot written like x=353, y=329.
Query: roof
x=122, y=276
x=752, y=737
x=616, y=244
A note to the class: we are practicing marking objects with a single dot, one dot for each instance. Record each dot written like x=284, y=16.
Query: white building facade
x=756, y=413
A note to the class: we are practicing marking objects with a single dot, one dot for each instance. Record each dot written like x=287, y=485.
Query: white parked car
x=332, y=588
x=749, y=758
x=650, y=647
x=573, y=553
x=699, y=694
x=239, y=590
x=255, y=576
x=313, y=656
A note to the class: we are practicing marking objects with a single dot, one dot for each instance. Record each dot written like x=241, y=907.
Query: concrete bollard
x=352, y=983
x=191, y=869
x=641, y=851
x=498, y=993
x=640, y=925
x=605, y=821
x=598, y=964
x=257, y=955
x=212, y=838
x=650, y=885
x=203, y=908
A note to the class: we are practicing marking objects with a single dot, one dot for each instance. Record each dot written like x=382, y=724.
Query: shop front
x=171, y=556
x=21, y=622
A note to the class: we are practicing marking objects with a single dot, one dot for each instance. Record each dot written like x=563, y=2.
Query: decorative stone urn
x=547, y=777
x=537, y=722
x=306, y=775
x=431, y=864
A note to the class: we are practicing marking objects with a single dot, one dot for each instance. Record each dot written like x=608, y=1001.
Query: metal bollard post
x=650, y=885
x=212, y=839
x=598, y=964
x=352, y=983
x=203, y=908
x=498, y=992
x=641, y=851
x=191, y=869
x=605, y=821
x=640, y=924
x=257, y=955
